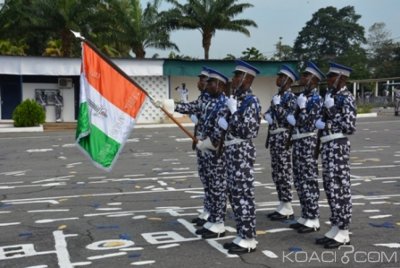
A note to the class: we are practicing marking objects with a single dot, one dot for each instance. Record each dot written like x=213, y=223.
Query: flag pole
x=121, y=72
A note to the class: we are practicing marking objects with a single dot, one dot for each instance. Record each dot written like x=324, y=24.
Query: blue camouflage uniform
x=335, y=153
x=281, y=159
x=240, y=154
x=305, y=167
x=198, y=107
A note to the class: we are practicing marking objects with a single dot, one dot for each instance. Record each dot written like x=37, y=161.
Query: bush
x=28, y=114
x=364, y=108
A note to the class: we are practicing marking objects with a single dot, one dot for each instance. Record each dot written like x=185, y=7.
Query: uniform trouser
x=240, y=160
x=281, y=164
x=201, y=166
x=305, y=176
x=396, y=104
x=215, y=172
x=336, y=179
x=58, y=112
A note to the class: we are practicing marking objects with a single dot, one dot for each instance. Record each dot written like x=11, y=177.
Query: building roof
x=56, y=66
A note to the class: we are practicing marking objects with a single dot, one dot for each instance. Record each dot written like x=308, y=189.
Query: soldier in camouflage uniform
x=195, y=108
x=337, y=120
x=214, y=161
x=241, y=126
x=303, y=136
x=282, y=105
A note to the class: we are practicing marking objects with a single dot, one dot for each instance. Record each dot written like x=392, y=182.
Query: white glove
x=194, y=119
x=290, y=118
x=222, y=123
x=205, y=144
x=232, y=104
x=169, y=105
x=268, y=118
x=301, y=101
x=329, y=101
x=320, y=124
x=276, y=99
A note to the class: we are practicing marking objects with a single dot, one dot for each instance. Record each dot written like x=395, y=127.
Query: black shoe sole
x=306, y=230
x=210, y=235
x=239, y=250
x=282, y=217
x=296, y=226
x=323, y=240
x=335, y=244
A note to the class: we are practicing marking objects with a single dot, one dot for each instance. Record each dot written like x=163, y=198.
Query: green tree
x=383, y=52
x=252, y=54
x=130, y=27
x=8, y=48
x=208, y=16
x=329, y=34
x=58, y=17
x=53, y=48
x=283, y=52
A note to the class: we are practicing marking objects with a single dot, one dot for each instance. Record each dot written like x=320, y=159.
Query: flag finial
x=78, y=35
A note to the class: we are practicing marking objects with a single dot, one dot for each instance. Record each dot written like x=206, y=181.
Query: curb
x=9, y=128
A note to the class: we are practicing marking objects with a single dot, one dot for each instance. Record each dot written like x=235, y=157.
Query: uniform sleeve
x=349, y=114
x=246, y=125
x=193, y=107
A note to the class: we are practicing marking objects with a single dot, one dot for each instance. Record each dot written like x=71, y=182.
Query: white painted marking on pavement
x=47, y=210
x=9, y=223
x=380, y=216
x=169, y=246
x=270, y=254
x=39, y=150
x=142, y=262
x=371, y=210
x=389, y=245
x=53, y=220
x=106, y=256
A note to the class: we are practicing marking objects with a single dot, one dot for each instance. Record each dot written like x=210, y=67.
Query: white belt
x=330, y=137
x=278, y=130
x=302, y=135
x=234, y=141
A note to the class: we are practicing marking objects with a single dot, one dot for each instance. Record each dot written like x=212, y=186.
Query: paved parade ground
x=58, y=210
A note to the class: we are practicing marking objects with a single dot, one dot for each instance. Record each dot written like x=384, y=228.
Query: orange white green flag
x=109, y=105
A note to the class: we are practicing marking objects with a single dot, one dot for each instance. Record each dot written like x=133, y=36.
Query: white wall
x=68, y=113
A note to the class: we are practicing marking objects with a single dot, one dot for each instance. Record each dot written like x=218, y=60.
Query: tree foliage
x=252, y=54
x=384, y=53
x=329, y=34
x=208, y=16
x=135, y=28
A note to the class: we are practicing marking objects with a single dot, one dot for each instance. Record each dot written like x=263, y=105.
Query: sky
x=279, y=18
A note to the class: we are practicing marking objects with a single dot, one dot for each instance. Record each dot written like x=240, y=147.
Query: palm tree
x=208, y=16
x=58, y=17
x=136, y=29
